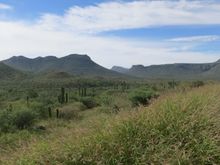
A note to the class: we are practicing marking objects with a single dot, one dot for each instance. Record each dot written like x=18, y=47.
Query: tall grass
x=179, y=128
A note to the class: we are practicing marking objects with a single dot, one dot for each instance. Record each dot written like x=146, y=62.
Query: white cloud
x=136, y=14
x=5, y=6
x=61, y=35
x=205, y=38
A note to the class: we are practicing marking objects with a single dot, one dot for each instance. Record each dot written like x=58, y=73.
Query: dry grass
x=179, y=128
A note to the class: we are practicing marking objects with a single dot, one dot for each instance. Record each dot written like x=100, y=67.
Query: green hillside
x=7, y=72
x=72, y=64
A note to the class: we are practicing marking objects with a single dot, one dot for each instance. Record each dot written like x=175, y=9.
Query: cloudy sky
x=120, y=32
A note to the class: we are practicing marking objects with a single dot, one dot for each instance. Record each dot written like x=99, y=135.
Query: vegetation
x=142, y=96
x=109, y=121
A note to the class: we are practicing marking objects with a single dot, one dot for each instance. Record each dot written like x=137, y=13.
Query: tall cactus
x=27, y=99
x=50, y=112
x=61, y=97
x=67, y=98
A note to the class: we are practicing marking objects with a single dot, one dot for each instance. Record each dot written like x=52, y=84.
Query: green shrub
x=24, y=119
x=6, y=121
x=40, y=109
x=89, y=102
x=32, y=93
x=19, y=119
x=142, y=97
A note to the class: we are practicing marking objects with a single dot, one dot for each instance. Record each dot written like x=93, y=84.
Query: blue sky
x=124, y=32
x=30, y=9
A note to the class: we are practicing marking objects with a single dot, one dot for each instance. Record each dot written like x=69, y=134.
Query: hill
x=73, y=64
x=7, y=72
x=175, y=71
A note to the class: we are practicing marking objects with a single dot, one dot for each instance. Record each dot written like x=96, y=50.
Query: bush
x=24, y=119
x=6, y=121
x=41, y=110
x=32, y=93
x=89, y=102
x=20, y=120
x=142, y=97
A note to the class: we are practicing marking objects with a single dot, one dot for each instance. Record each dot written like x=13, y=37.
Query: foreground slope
x=178, y=128
x=174, y=71
x=72, y=64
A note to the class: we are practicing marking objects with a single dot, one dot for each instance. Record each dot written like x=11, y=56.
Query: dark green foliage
x=27, y=99
x=40, y=109
x=6, y=121
x=89, y=102
x=67, y=98
x=24, y=119
x=49, y=112
x=61, y=97
x=19, y=119
x=57, y=113
x=142, y=96
x=32, y=94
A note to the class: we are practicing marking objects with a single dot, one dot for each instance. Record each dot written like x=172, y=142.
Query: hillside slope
x=178, y=128
x=72, y=64
x=7, y=72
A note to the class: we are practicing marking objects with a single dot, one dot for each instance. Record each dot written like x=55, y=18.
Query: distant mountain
x=7, y=72
x=176, y=71
x=119, y=69
x=73, y=64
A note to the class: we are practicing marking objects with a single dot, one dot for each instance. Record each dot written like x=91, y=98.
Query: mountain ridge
x=179, y=71
x=73, y=64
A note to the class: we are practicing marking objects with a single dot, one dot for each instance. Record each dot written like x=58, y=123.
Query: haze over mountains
x=82, y=65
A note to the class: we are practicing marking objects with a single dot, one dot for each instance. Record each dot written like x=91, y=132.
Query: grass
x=178, y=128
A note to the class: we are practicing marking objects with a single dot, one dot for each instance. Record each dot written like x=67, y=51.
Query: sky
x=119, y=32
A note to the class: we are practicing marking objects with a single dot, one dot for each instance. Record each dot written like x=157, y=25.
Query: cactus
x=58, y=113
x=61, y=97
x=50, y=112
x=67, y=98
x=27, y=100
x=85, y=92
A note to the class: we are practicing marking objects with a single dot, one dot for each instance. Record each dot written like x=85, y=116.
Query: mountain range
x=71, y=65
x=177, y=71
x=82, y=65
